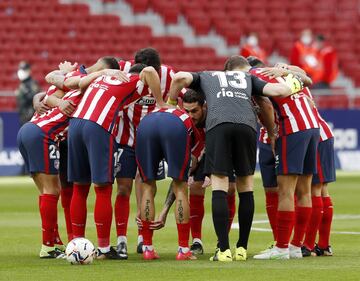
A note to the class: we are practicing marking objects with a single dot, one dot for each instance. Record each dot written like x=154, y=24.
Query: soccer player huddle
x=122, y=120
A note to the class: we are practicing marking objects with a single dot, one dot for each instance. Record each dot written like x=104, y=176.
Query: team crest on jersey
x=56, y=164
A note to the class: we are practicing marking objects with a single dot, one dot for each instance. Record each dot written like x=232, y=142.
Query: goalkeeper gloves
x=294, y=83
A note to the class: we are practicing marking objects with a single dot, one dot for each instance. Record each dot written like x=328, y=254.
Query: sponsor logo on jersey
x=231, y=94
x=146, y=101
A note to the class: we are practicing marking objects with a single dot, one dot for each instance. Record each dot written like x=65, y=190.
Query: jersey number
x=53, y=152
x=235, y=79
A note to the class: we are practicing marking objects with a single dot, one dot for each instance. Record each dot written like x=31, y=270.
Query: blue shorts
x=126, y=164
x=267, y=165
x=90, y=153
x=162, y=135
x=40, y=153
x=325, y=162
x=296, y=153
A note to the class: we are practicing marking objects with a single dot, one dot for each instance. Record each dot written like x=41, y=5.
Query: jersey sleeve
x=195, y=84
x=198, y=145
x=257, y=86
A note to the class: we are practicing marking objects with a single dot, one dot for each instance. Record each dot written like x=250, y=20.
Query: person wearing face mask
x=252, y=48
x=306, y=56
x=25, y=92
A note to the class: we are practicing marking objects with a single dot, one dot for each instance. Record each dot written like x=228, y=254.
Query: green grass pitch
x=20, y=243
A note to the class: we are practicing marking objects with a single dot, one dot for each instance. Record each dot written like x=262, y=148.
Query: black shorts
x=199, y=174
x=230, y=147
x=63, y=148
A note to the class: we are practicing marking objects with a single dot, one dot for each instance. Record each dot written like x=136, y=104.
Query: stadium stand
x=47, y=32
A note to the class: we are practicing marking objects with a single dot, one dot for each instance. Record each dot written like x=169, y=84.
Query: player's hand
x=282, y=65
x=272, y=72
x=190, y=181
x=138, y=222
x=159, y=223
x=207, y=182
x=194, y=163
x=41, y=107
x=118, y=74
x=67, y=107
x=67, y=67
x=294, y=82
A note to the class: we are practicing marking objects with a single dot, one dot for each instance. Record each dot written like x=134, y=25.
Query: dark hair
x=234, y=62
x=137, y=68
x=148, y=56
x=191, y=96
x=255, y=61
x=110, y=62
x=320, y=37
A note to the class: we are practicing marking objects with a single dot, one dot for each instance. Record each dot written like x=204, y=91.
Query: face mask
x=23, y=74
x=252, y=41
x=306, y=39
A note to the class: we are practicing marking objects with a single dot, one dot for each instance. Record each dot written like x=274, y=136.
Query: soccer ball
x=80, y=251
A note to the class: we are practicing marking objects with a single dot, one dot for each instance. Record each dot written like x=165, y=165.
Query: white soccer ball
x=80, y=251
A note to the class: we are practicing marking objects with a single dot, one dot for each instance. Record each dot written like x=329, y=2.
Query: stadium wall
x=345, y=125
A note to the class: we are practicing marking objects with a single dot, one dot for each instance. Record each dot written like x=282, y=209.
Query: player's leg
x=148, y=155
x=244, y=161
x=41, y=157
x=78, y=173
x=197, y=210
x=268, y=176
x=231, y=198
x=218, y=163
x=124, y=179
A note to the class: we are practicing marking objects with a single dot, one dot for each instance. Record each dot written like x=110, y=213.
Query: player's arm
x=88, y=79
x=181, y=80
x=274, y=72
x=169, y=201
x=57, y=77
x=151, y=78
x=67, y=107
x=38, y=103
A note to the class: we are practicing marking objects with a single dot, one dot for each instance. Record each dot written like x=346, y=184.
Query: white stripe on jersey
x=127, y=67
x=299, y=107
x=313, y=119
x=170, y=110
x=121, y=126
x=292, y=120
x=139, y=87
x=144, y=112
x=94, y=103
x=45, y=122
x=131, y=116
x=322, y=133
x=83, y=100
x=163, y=78
x=265, y=137
x=105, y=110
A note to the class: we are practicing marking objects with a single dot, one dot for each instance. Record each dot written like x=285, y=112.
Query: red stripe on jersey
x=136, y=112
x=110, y=158
x=106, y=97
x=325, y=130
x=284, y=154
x=294, y=112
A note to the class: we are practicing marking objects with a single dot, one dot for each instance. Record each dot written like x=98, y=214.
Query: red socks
x=103, y=214
x=325, y=225
x=78, y=210
x=122, y=210
x=303, y=215
x=66, y=194
x=147, y=233
x=316, y=216
x=272, y=201
x=285, y=223
x=232, y=209
x=48, y=213
x=196, y=215
x=183, y=234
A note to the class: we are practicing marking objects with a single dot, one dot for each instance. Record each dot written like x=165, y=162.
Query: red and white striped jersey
x=54, y=123
x=263, y=136
x=294, y=112
x=325, y=130
x=106, y=97
x=131, y=116
x=198, y=138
